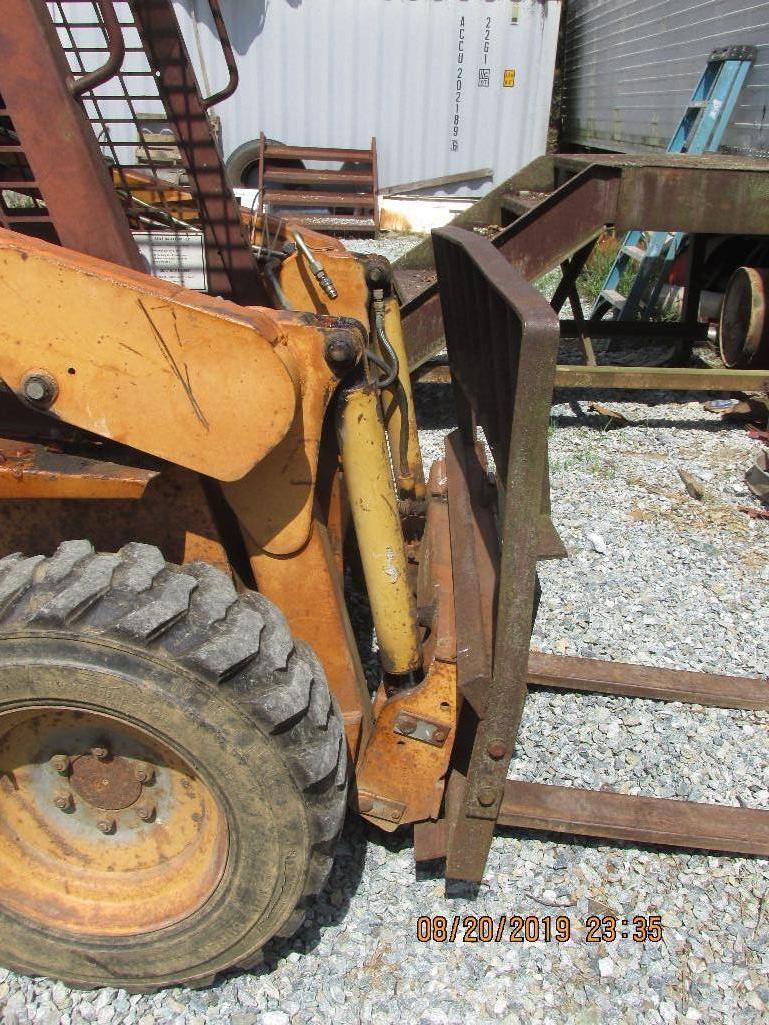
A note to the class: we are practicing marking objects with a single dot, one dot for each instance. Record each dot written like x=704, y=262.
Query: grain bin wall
x=631, y=66
x=446, y=86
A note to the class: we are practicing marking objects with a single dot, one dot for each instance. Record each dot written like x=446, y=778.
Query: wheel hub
x=103, y=828
x=109, y=783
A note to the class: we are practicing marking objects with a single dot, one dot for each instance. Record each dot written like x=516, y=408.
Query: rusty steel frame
x=485, y=300
x=297, y=188
x=29, y=471
x=62, y=151
x=230, y=261
x=700, y=195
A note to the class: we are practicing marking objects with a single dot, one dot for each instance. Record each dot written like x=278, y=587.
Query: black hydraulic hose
x=378, y=362
x=399, y=393
x=399, y=399
x=389, y=351
x=280, y=295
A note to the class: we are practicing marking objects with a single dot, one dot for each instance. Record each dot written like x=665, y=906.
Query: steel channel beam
x=232, y=269
x=651, y=820
x=60, y=145
x=474, y=570
x=700, y=195
x=697, y=200
x=640, y=330
x=634, y=681
x=566, y=221
x=663, y=378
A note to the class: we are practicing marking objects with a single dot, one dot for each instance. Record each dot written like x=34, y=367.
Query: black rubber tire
x=243, y=164
x=217, y=677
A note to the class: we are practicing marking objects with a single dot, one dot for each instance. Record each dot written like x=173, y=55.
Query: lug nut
x=60, y=763
x=146, y=812
x=106, y=825
x=487, y=796
x=63, y=800
x=496, y=750
x=143, y=773
x=100, y=752
x=40, y=388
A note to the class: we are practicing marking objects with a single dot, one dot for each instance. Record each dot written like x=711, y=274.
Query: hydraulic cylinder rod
x=413, y=473
x=370, y=488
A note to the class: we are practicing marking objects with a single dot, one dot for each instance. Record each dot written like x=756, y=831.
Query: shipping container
x=445, y=86
x=631, y=66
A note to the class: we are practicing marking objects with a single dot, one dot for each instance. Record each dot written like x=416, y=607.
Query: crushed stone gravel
x=673, y=582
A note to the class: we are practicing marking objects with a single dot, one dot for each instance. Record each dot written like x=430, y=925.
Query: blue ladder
x=700, y=130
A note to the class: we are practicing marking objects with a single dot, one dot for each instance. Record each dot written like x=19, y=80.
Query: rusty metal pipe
x=115, y=47
x=229, y=58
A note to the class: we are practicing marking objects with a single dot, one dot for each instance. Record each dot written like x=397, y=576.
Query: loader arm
x=141, y=361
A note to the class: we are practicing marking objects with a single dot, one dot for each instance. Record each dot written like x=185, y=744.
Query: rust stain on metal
x=108, y=784
x=404, y=769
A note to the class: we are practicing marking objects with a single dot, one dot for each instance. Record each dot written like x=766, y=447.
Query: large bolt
x=341, y=351
x=106, y=825
x=143, y=773
x=63, y=800
x=496, y=750
x=146, y=811
x=100, y=752
x=39, y=388
x=378, y=272
x=60, y=763
x=487, y=796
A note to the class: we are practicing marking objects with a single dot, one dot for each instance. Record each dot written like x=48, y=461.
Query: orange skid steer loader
x=185, y=474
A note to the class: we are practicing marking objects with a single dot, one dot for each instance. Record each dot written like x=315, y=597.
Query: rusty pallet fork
x=500, y=329
x=175, y=736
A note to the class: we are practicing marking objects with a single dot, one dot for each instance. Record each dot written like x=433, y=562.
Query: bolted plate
x=426, y=730
x=110, y=784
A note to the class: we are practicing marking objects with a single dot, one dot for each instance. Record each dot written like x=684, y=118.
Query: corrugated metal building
x=631, y=66
x=446, y=86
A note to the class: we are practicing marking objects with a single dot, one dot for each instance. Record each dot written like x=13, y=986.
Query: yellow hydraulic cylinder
x=370, y=489
x=411, y=478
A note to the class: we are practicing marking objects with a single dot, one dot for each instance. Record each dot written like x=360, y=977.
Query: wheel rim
x=104, y=829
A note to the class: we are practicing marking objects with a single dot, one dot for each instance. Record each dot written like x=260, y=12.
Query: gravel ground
x=655, y=577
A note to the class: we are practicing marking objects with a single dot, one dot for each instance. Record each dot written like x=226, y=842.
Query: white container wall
x=446, y=86
x=631, y=67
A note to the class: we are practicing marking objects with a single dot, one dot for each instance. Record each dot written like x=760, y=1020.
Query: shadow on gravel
x=582, y=416
x=329, y=908
x=435, y=408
